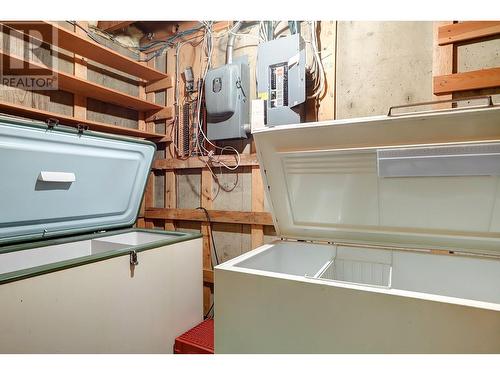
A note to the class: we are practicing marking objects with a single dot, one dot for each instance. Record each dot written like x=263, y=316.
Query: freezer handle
x=488, y=98
x=46, y=176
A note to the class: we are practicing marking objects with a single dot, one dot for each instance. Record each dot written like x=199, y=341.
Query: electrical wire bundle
x=317, y=70
x=93, y=31
x=209, y=155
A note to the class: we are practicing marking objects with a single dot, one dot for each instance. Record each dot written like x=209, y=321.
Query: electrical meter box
x=281, y=79
x=227, y=101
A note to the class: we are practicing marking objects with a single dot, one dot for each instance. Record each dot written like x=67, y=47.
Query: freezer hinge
x=133, y=258
x=52, y=122
x=81, y=128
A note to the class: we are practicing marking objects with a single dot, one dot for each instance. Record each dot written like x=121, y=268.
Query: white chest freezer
x=390, y=239
x=75, y=277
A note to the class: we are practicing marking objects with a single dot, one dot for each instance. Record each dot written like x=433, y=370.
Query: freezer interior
x=465, y=277
x=45, y=255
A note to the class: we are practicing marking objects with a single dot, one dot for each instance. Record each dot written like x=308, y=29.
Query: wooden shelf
x=76, y=85
x=466, y=31
x=37, y=114
x=475, y=80
x=89, y=49
x=195, y=162
x=216, y=216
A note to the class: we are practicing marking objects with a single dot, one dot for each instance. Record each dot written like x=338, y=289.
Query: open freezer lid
x=427, y=179
x=55, y=181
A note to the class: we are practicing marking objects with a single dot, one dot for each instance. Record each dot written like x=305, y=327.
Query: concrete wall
x=477, y=56
x=381, y=64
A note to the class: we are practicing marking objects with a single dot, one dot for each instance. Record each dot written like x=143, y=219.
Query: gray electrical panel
x=281, y=79
x=227, y=101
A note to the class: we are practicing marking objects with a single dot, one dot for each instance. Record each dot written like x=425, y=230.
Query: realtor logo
x=28, y=59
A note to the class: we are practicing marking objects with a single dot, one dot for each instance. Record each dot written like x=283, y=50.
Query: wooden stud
x=143, y=123
x=80, y=71
x=206, y=202
x=442, y=59
x=467, y=31
x=257, y=230
x=170, y=177
x=328, y=37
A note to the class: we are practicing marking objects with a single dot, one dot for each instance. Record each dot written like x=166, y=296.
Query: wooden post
x=257, y=231
x=170, y=177
x=206, y=202
x=147, y=126
x=80, y=71
x=443, y=61
x=328, y=40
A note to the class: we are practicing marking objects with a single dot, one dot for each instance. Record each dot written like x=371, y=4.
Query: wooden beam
x=216, y=216
x=183, y=26
x=86, y=47
x=111, y=26
x=475, y=80
x=199, y=162
x=467, y=31
x=38, y=114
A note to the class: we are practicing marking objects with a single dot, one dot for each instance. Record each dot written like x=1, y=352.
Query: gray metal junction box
x=227, y=101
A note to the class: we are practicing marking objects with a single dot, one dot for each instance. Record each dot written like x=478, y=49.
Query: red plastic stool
x=198, y=340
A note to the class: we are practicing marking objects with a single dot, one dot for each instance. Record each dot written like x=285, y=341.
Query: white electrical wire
x=212, y=157
x=317, y=69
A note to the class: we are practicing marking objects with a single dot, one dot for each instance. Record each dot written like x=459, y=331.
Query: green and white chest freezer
x=75, y=277
x=390, y=239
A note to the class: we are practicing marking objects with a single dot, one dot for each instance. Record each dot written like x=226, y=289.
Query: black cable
x=211, y=236
x=207, y=315
x=208, y=312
